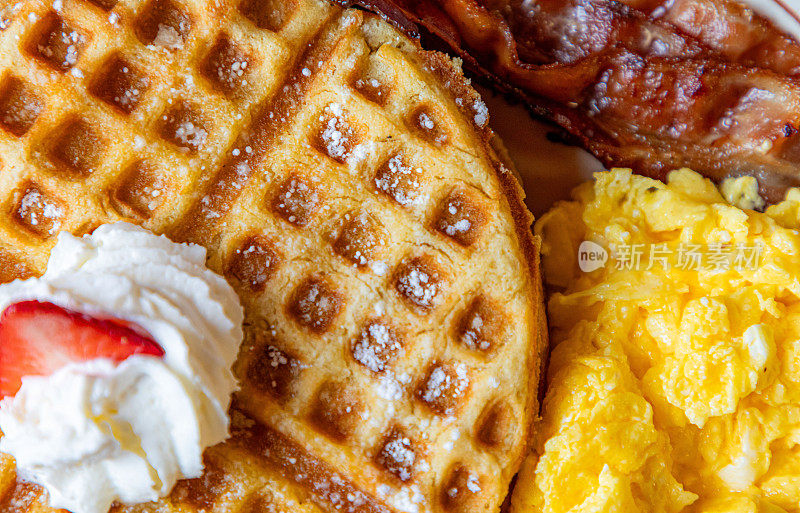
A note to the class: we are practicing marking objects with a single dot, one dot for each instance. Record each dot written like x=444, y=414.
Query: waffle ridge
x=345, y=182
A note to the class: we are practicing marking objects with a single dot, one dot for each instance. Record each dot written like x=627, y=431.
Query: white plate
x=550, y=170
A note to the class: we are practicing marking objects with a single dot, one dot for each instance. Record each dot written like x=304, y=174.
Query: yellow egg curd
x=674, y=380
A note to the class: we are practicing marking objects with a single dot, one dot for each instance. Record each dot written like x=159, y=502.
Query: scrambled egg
x=671, y=387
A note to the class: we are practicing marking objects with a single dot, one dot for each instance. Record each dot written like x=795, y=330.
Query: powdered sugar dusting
x=459, y=227
x=398, y=456
x=71, y=41
x=296, y=200
x=376, y=346
x=388, y=388
x=399, y=180
x=336, y=136
x=39, y=212
x=481, y=113
x=471, y=337
x=359, y=238
x=418, y=283
x=462, y=217
x=425, y=121
x=408, y=499
x=191, y=134
x=473, y=484
x=445, y=385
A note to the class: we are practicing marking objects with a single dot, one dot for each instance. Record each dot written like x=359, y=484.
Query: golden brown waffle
x=345, y=182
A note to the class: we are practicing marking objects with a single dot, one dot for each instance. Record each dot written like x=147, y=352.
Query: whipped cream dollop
x=95, y=432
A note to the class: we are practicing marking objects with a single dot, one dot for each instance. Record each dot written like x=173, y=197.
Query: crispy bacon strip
x=558, y=31
x=731, y=29
x=719, y=29
x=632, y=90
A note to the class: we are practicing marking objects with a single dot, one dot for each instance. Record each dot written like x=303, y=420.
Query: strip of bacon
x=731, y=29
x=633, y=90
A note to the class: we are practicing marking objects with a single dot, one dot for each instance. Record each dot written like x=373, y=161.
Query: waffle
x=346, y=183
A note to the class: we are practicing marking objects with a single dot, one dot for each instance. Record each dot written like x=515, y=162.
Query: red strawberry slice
x=38, y=338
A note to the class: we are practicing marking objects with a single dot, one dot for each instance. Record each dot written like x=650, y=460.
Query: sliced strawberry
x=38, y=338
